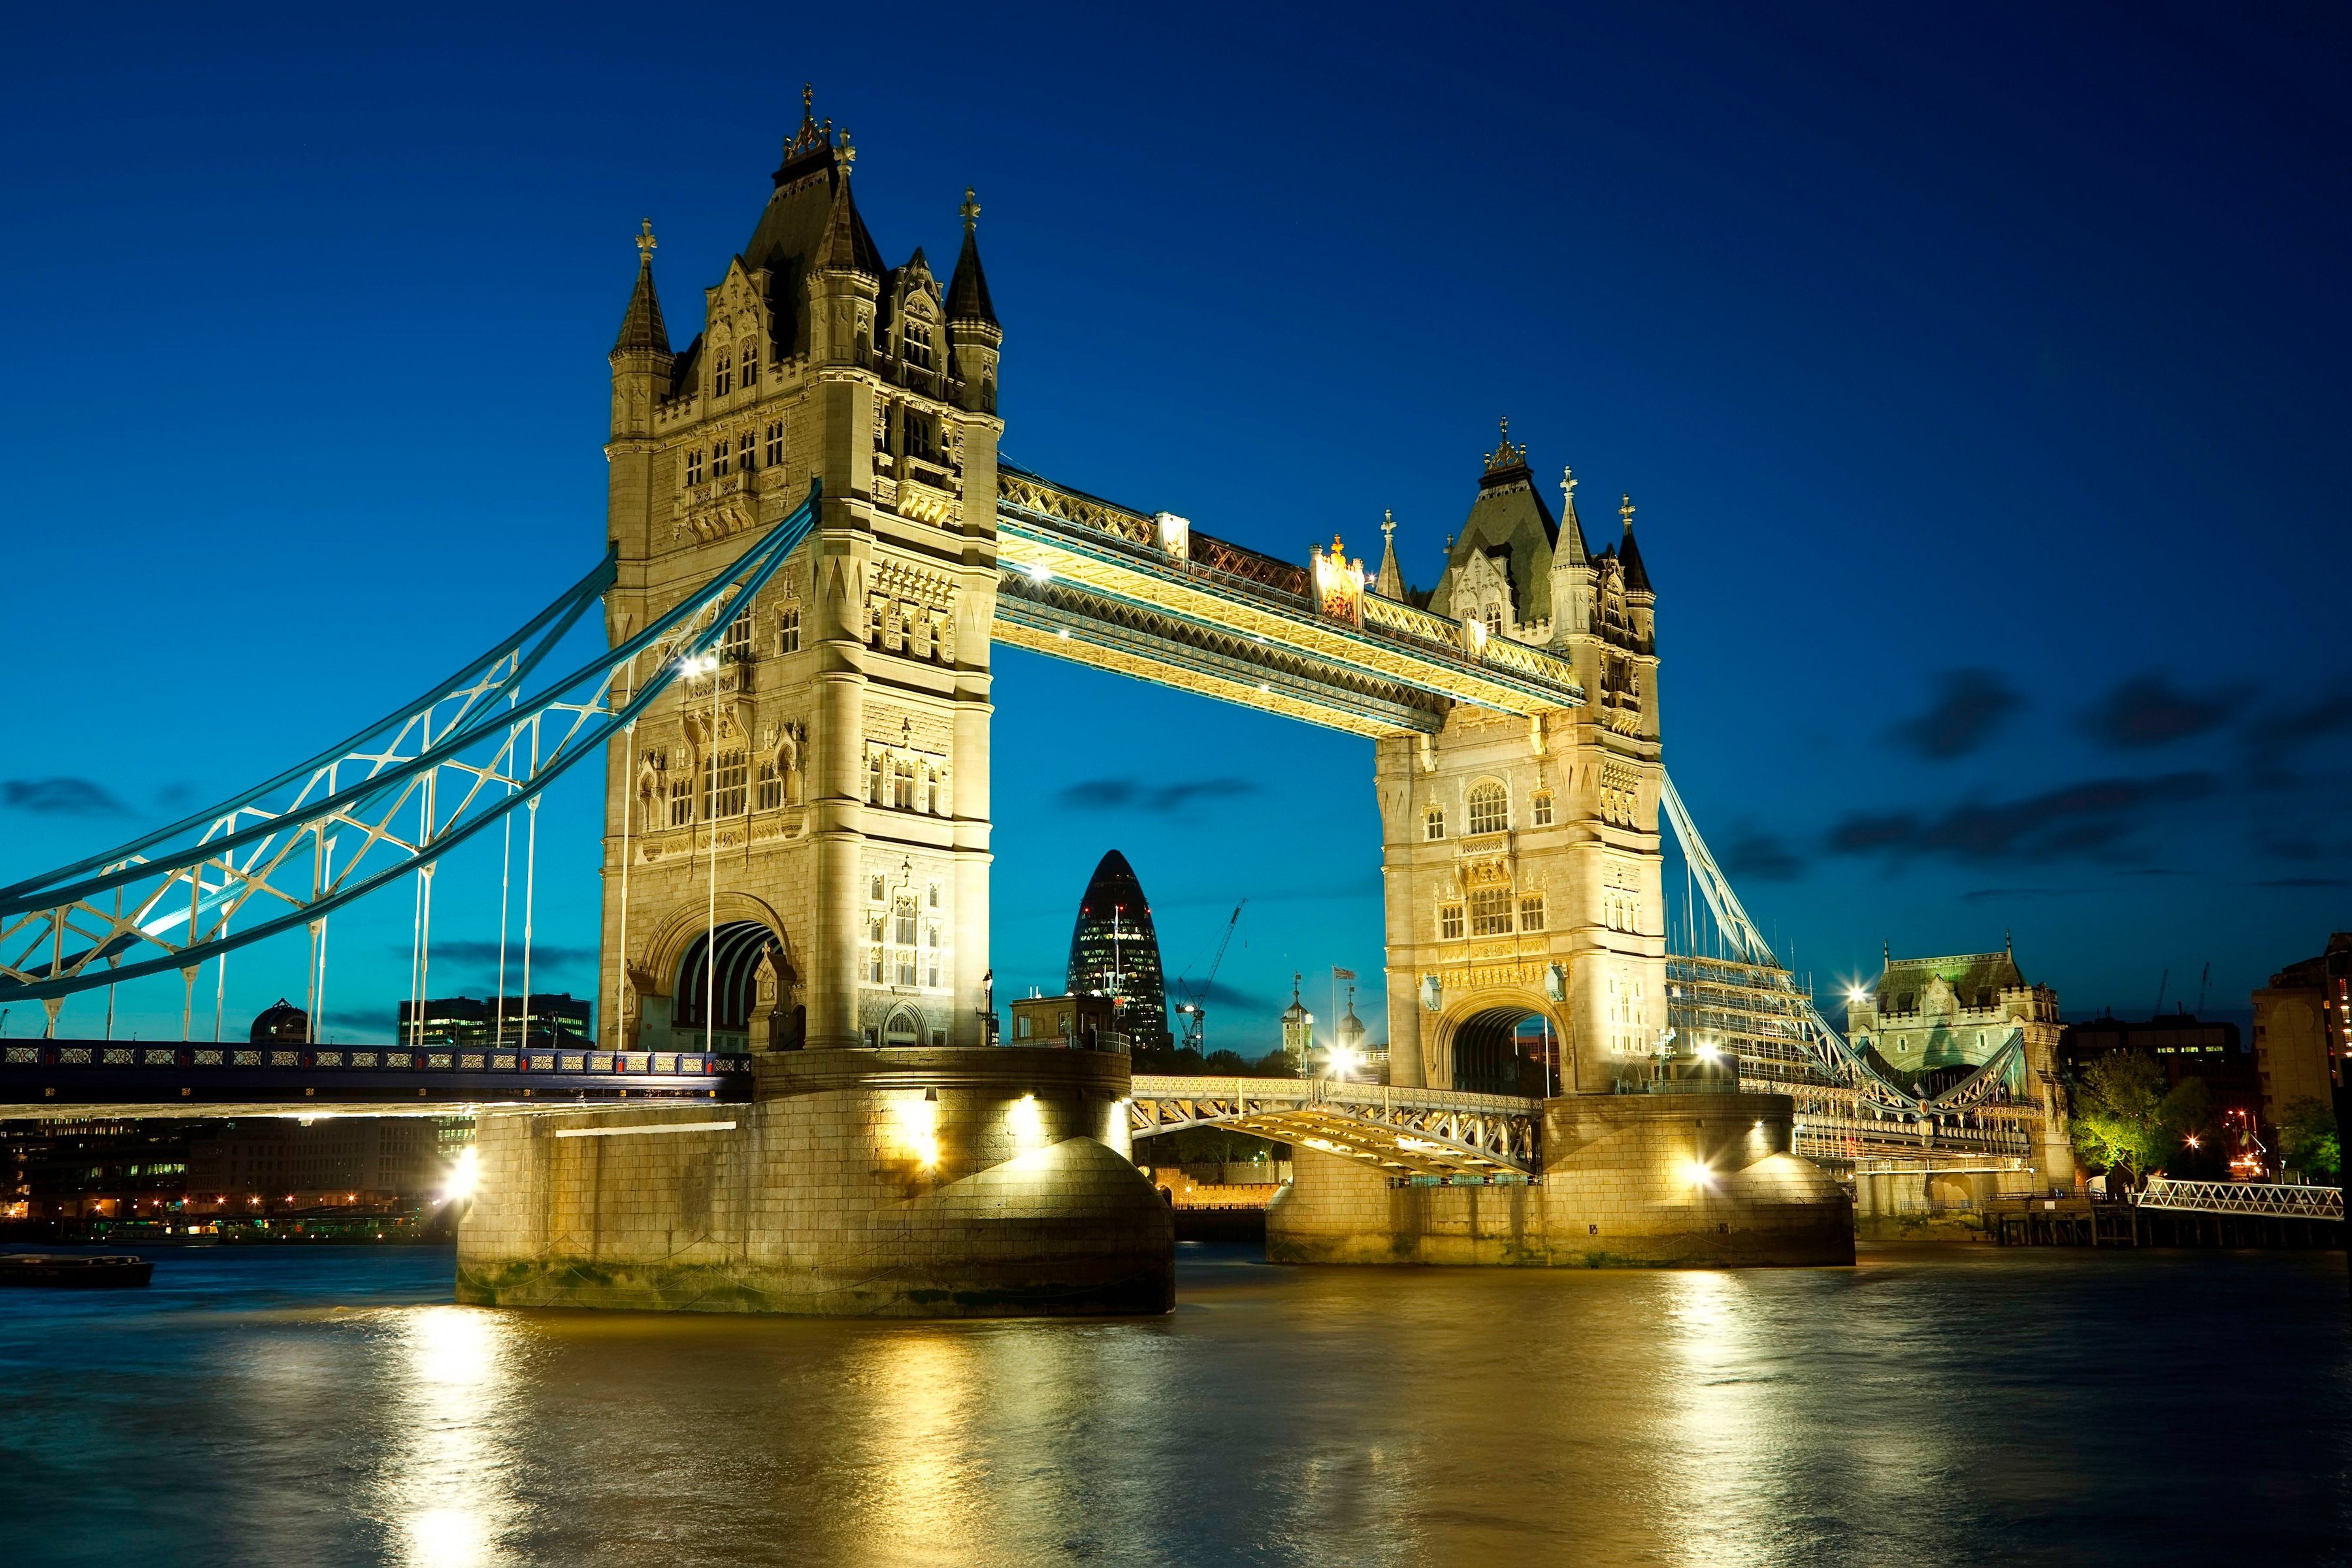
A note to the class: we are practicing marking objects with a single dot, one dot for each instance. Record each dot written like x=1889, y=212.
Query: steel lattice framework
x=387, y=802
x=1834, y=1054
x=2272, y=1199
x=1409, y=1132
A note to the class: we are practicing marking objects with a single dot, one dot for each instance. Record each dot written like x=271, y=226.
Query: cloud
x=1218, y=995
x=2273, y=739
x=1118, y=794
x=176, y=794
x=1760, y=855
x=475, y=954
x=2149, y=710
x=2091, y=818
x=1968, y=707
x=59, y=797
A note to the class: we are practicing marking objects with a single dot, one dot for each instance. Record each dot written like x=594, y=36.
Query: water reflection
x=447, y=1479
x=1925, y=1410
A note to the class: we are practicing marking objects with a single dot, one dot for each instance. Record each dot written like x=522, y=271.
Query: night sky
x=1979, y=374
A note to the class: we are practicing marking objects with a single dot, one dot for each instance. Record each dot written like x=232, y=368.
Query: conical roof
x=968, y=298
x=1637, y=579
x=641, y=323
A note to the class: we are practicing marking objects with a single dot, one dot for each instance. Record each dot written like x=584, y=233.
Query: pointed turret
x=1571, y=571
x=968, y=298
x=846, y=245
x=1637, y=579
x=641, y=323
x=974, y=333
x=1389, y=583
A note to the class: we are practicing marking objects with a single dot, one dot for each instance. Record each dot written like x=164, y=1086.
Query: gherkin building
x=1113, y=953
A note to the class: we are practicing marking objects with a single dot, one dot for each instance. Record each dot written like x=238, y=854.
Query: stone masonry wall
x=931, y=1183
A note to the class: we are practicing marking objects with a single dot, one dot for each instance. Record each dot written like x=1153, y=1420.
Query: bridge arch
x=1475, y=1042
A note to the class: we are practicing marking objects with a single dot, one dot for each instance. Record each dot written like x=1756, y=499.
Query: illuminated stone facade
x=1521, y=855
x=831, y=776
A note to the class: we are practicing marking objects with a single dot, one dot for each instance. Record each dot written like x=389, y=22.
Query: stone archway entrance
x=1508, y=1047
x=717, y=979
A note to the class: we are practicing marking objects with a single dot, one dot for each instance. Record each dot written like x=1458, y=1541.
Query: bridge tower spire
x=815, y=809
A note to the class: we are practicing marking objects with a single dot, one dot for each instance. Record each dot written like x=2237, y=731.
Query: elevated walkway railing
x=2276, y=1199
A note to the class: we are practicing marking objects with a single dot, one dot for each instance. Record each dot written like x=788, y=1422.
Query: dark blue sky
x=1979, y=375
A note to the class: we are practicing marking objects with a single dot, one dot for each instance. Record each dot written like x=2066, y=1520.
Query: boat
x=71, y=1270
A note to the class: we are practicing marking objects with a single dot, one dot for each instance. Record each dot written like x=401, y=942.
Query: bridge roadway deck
x=61, y=1079
x=1407, y=1132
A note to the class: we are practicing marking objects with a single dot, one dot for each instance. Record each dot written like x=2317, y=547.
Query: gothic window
x=751, y=367
x=1531, y=911
x=904, y=913
x=1433, y=823
x=874, y=767
x=718, y=460
x=775, y=443
x=873, y=966
x=772, y=784
x=932, y=897
x=902, y=788
x=723, y=780
x=735, y=642
x=931, y=955
x=1449, y=921
x=1490, y=808
x=681, y=800
x=918, y=346
x=1493, y=620
x=722, y=379
x=788, y=629
x=693, y=466
x=743, y=445
x=1543, y=808
x=891, y=624
x=1490, y=911
x=876, y=891
x=874, y=622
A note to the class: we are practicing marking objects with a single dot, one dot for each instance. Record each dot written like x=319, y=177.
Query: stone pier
x=927, y=1181
x=1628, y=1180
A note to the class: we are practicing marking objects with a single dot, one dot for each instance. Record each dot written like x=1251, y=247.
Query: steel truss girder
x=1071, y=621
x=1029, y=542
x=266, y=861
x=2274, y=1199
x=1418, y=1132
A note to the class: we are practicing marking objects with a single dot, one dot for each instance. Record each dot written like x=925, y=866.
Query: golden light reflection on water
x=446, y=1483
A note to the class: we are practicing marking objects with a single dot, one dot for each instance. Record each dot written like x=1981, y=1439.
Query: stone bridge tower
x=826, y=788
x=1521, y=858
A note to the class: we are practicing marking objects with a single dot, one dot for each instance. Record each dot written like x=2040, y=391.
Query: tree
x=2309, y=1140
x=2126, y=1120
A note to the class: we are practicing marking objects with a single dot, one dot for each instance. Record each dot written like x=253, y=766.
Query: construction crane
x=1189, y=1009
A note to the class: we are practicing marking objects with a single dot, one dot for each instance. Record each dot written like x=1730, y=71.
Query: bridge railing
x=1326, y=1091
x=2279, y=1199
x=535, y=1059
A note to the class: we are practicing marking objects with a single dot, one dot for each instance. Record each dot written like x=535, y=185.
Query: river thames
x=1932, y=1406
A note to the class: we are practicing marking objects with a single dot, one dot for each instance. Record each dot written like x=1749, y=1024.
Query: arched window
x=1490, y=808
x=1449, y=921
x=1531, y=911
x=722, y=379
x=1542, y=805
x=1433, y=823
x=1493, y=620
x=903, y=1027
x=724, y=778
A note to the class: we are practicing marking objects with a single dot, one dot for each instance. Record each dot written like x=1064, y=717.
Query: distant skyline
x=1979, y=378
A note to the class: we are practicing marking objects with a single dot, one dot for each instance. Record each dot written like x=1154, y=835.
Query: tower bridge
x=811, y=549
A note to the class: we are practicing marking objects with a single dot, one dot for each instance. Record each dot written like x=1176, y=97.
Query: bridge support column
x=1629, y=1180
x=919, y=1183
